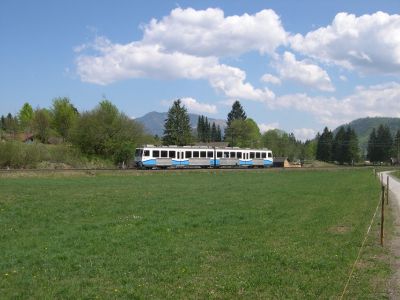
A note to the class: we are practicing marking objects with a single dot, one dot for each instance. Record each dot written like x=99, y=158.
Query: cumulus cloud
x=266, y=127
x=304, y=72
x=135, y=60
x=304, y=134
x=193, y=106
x=368, y=43
x=269, y=78
x=377, y=100
x=209, y=33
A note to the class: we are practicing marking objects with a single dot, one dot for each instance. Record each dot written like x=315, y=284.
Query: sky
x=294, y=65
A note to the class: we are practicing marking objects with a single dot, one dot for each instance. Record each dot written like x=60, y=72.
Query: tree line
x=341, y=147
x=382, y=146
x=240, y=131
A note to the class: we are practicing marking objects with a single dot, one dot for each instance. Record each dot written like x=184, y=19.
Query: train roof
x=201, y=147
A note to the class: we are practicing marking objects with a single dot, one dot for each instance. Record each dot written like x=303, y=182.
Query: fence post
x=382, y=212
x=387, y=189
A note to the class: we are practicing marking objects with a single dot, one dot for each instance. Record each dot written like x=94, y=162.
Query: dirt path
x=394, y=202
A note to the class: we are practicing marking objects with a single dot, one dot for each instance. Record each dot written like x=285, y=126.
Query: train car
x=150, y=156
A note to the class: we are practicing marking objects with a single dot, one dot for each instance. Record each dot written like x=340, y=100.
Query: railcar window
x=171, y=154
x=195, y=153
x=210, y=154
x=146, y=153
x=164, y=153
x=188, y=154
x=258, y=155
x=219, y=154
x=263, y=155
x=233, y=155
x=251, y=154
x=203, y=154
x=156, y=153
x=269, y=154
x=226, y=154
x=239, y=155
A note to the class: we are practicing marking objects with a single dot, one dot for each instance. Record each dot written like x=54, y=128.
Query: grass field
x=284, y=234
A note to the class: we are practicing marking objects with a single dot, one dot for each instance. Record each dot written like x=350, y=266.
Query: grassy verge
x=189, y=235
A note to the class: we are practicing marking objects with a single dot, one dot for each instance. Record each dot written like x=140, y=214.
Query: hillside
x=154, y=122
x=363, y=127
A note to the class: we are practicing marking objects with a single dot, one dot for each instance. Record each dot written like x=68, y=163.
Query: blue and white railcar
x=150, y=156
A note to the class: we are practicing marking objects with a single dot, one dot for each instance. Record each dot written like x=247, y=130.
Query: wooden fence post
x=382, y=212
x=387, y=189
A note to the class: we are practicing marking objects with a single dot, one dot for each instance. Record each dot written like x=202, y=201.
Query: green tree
x=3, y=123
x=177, y=130
x=237, y=113
x=396, y=148
x=25, y=117
x=339, y=146
x=352, y=147
x=324, y=146
x=41, y=124
x=11, y=125
x=106, y=132
x=384, y=143
x=372, y=147
x=64, y=116
x=245, y=133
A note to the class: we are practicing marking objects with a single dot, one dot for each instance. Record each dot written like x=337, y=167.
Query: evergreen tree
x=396, y=148
x=200, y=128
x=207, y=130
x=384, y=143
x=214, y=133
x=177, y=130
x=339, y=146
x=236, y=113
x=351, y=147
x=371, y=149
x=3, y=123
x=324, y=146
x=219, y=134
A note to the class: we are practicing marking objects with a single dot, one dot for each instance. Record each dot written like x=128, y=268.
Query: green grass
x=285, y=234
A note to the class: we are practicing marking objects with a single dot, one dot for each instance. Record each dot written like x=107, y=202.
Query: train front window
x=138, y=152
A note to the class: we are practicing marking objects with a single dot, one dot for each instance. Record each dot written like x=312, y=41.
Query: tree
x=324, y=146
x=106, y=132
x=339, y=146
x=64, y=116
x=219, y=134
x=177, y=130
x=371, y=149
x=352, y=148
x=396, y=144
x=25, y=117
x=3, y=123
x=41, y=124
x=384, y=143
x=236, y=113
x=11, y=125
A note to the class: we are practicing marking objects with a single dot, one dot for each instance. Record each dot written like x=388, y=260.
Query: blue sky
x=294, y=65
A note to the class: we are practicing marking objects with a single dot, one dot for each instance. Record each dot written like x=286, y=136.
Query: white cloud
x=304, y=134
x=304, y=72
x=368, y=43
x=266, y=127
x=378, y=100
x=343, y=78
x=193, y=106
x=269, y=78
x=209, y=33
x=134, y=60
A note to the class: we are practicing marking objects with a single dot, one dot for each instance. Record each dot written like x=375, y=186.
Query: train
x=150, y=157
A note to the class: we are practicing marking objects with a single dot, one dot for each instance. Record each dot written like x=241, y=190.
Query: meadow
x=224, y=234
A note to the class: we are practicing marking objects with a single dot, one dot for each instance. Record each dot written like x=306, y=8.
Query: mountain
x=153, y=122
x=363, y=128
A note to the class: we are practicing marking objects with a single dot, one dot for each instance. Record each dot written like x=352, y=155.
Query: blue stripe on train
x=214, y=162
x=149, y=162
x=245, y=162
x=267, y=162
x=180, y=162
